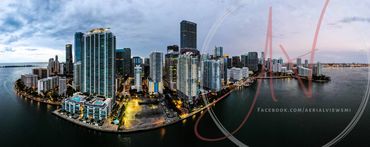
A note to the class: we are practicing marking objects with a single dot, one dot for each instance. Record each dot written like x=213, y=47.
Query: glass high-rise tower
x=69, y=62
x=98, y=63
x=79, y=45
x=188, y=35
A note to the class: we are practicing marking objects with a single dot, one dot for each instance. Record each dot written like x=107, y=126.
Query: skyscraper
x=236, y=61
x=98, y=63
x=77, y=75
x=138, y=78
x=134, y=62
x=123, y=62
x=244, y=60
x=155, y=75
x=79, y=45
x=252, y=61
x=212, y=75
x=188, y=35
x=187, y=77
x=69, y=61
x=299, y=62
x=170, y=68
x=218, y=52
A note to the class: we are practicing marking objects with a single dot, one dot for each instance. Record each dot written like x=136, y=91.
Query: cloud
x=31, y=49
x=355, y=19
x=7, y=49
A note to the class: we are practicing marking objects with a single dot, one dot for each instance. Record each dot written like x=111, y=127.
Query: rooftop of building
x=98, y=30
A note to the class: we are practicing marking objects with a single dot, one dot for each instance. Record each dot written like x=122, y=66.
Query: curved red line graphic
x=268, y=46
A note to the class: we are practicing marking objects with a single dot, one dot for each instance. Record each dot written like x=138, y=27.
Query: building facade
x=98, y=63
x=138, y=79
x=188, y=35
x=69, y=60
x=29, y=80
x=187, y=80
x=155, y=75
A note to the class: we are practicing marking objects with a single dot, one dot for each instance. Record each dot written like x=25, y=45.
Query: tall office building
x=188, y=35
x=252, y=61
x=40, y=72
x=146, y=68
x=134, y=62
x=77, y=75
x=79, y=45
x=170, y=68
x=98, y=63
x=299, y=62
x=218, y=52
x=69, y=61
x=306, y=63
x=244, y=60
x=212, y=75
x=155, y=75
x=187, y=77
x=137, y=76
x=123, y=62
x=236, y=61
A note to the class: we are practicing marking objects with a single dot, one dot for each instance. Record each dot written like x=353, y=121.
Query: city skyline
x=342, y=37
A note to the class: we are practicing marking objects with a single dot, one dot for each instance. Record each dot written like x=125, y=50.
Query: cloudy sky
x=36, y=30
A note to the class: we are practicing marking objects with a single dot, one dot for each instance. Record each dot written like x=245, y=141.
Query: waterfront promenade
x=109, y=128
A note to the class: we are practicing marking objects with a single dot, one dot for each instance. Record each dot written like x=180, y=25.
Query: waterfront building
x=317, y=69
x=77, y=76
x=74, y=104
x=97, y=108
x=235, y=74
x=79, y=46
x=188, y=35
x=98, y=63
x=276, y=67
x=304, y=71
x=47, y=84
x=212, y=75
x=187, y=80
x=223, y=68
x=245, y=72
x=123, y=61
x=170, y=68
x=138, y=78
x=40, y=72
x=155, y=75
x=62, y=90
x=252, y=61
x=29, y=80
x=69, y=60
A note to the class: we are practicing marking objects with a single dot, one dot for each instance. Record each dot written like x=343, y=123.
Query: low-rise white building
x=62, y=87
x=47, y=84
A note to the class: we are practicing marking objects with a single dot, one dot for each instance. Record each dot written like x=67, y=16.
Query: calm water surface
x=28, y=123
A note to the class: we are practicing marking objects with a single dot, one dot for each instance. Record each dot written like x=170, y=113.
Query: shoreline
x=22, y=94
x=99, y=128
